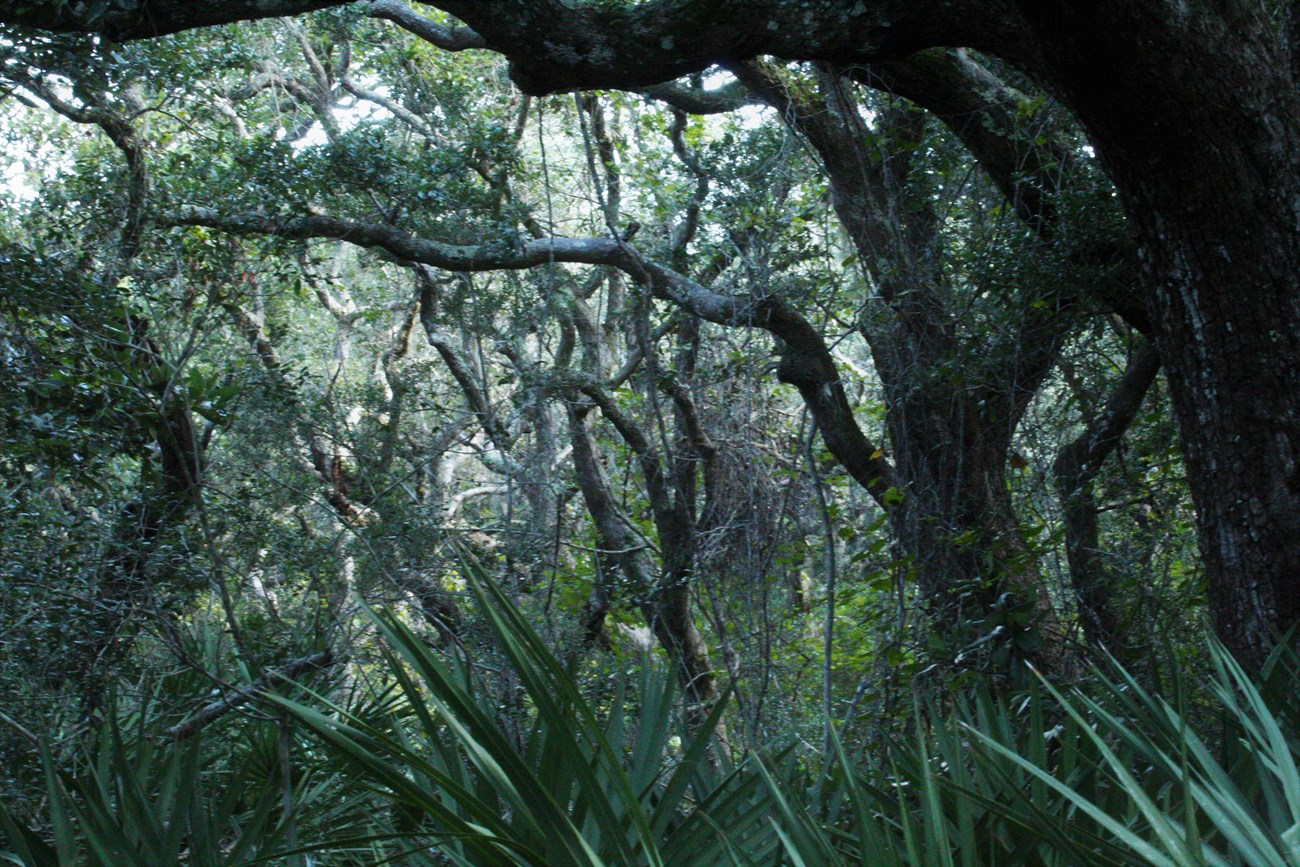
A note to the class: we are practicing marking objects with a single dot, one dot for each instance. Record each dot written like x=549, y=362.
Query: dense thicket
x=822, y=358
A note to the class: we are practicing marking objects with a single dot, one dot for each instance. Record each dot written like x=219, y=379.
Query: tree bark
x=1197, y=119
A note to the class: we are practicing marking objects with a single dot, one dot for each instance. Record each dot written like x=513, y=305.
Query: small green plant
x=618, y=787
x=137, y=798
x=429, y=770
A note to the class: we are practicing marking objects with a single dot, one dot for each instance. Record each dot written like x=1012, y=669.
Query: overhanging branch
x=146, y=19
x=555, y=45
x=806, y=360
x=444, y=37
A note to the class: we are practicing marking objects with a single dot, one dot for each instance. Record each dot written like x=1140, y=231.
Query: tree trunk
x=664, y=601
x=1076, y=466
x=1197, y=119
x=134, y=574
x=950, y=409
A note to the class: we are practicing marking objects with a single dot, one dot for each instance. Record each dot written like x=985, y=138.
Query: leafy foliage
x=228, y=443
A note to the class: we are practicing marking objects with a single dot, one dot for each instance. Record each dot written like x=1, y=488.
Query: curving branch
x=324, y=460
x=806, y=361
x=1026, y=166
x=665, y=602
x=1075, y=469
x=399, y=243
x=698, y=100
x=440, y=35
x=235, y=699
x=662, y=502
x=390, y=105
x=457, y=365
x=556, y=45
x=981, y=111
x=123, y=135
x=146, y=19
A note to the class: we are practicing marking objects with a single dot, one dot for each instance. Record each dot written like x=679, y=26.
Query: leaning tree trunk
x=1204, y=147
x=1075, y=469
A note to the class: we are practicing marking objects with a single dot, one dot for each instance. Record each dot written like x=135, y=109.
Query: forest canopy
x=831, y=353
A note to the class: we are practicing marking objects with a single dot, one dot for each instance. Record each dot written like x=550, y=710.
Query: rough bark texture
x=1197, y=119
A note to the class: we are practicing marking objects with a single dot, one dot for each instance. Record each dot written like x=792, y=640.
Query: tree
x=1213, y=212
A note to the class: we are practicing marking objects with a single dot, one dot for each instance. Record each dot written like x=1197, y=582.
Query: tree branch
x=123, y=135
x=555, y=45
x=806, y=361
x=459, y=368
x=1081, y=460
x=224, y=705
x=1075, y=469
x=697, y=100
x=145, y=19
x=982, y=111
x=440, y=35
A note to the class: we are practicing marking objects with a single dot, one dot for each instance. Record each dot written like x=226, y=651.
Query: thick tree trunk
x=952, y=514
x=1197, y=119
x=959, y=526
